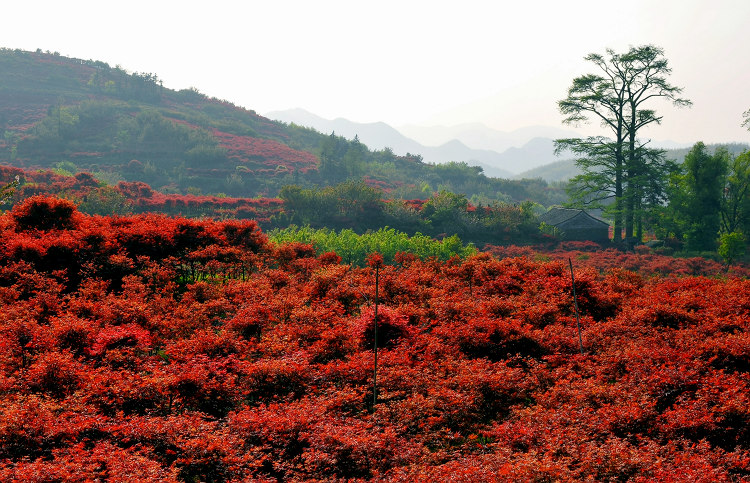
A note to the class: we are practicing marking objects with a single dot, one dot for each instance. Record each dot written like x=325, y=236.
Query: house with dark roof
x=576, y=225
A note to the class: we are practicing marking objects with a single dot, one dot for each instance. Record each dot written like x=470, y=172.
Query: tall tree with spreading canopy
x=620, y=168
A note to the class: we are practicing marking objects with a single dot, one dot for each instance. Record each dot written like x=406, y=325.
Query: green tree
x=646, y=191
x=403, y=216
x=7, y=190
x=731, y=246
x=332, y=151
x=359, y=204
x=735, y=206
x=11, y=141
x=349, y=204
x=616, y=169
x=354, y=159
x=645, y=79
x=105, y=200
x=446, y=212
x=306, y=206
x=600, y=161
x=696, y=197
x=60, y=125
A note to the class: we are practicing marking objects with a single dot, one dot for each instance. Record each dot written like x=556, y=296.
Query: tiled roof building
x=576, y=224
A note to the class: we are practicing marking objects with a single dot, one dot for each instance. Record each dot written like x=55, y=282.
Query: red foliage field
x=270, y=153
x=643, y=260
x=150, y=348
x=140, y=197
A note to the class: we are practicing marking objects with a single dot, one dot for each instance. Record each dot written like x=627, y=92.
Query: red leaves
x=250, y=150
x=492, y=339
x=392, y=328
x=374, y=260
x=55, y=373
x=243, y=234
x=139, y=197
x=286, y=253
x=44, y=213
x=302, y=442
x=123, y=338
x=163, y=349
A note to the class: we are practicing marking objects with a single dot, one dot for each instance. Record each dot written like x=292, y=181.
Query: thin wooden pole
x=575, y=301
x=375, y=343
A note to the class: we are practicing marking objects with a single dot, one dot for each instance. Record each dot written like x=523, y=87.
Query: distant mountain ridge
x=479, y=136
x=521, y=153
x=523, y=150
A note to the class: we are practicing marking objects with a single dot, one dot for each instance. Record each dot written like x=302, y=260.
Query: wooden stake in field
x=375, y=260
x=375, y=367
x=575, y=301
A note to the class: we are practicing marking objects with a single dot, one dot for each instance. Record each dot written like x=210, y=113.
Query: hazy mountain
x=479, y=136
x=536, y=152
x=530, y=151
x=376, y=135
x=379, y=135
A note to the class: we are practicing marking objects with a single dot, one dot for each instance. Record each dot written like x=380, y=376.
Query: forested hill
x=82, y=115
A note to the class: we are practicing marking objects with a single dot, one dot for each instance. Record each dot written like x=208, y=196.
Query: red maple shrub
x=45, y=213
x=154, y=348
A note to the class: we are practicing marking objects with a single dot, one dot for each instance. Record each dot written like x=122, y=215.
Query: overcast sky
x=501, y=63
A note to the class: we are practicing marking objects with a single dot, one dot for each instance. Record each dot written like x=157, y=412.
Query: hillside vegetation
x=82, y=115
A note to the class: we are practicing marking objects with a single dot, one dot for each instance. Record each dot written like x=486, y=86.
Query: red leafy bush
x=392, y=328
x=120, y=338
x=150, y=348
x=55, y=373
x=45, y=213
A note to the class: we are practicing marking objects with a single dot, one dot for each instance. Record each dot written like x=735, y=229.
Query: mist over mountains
x=479, y=136
x=524, y=152
x=500, y=154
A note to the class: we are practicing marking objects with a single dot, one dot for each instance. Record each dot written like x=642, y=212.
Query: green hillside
x=559, y=171
x=83, y=115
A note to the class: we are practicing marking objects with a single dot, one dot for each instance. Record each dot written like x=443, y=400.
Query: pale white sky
x=502, y=63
